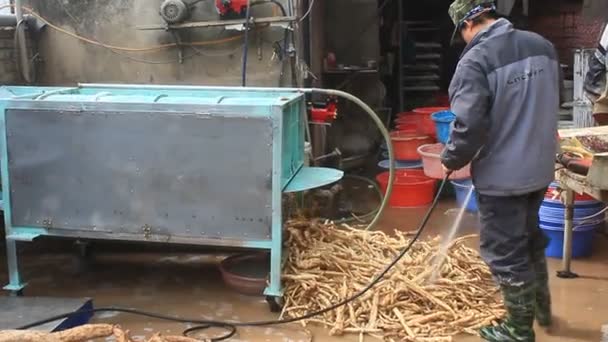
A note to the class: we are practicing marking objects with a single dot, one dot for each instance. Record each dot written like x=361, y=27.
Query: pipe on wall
x=11, y=20
x=23, y=62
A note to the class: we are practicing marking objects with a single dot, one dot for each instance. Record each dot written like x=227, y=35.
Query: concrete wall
x=67, y=60
x=8, y=67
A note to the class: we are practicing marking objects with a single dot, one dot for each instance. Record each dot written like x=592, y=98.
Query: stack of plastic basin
x=588, y=216
x=407, y=122
x=443, y=125
x=406, y=144
x=411, y=188
x=427, y=126
x=400, y=165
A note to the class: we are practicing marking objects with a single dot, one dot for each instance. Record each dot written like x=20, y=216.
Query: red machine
x=231, y=9
x=325, y=113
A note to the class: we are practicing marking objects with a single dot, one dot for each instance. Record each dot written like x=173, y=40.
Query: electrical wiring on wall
x=128, y=49
x=122, y=50
x=310, y=6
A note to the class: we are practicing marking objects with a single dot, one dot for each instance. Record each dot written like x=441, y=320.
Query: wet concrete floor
x=189, y=285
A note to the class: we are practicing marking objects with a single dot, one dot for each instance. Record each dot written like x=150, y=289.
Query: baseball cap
x=462, y=10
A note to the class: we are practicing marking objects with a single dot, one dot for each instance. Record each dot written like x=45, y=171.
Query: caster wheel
x=273, y=304
x=16, y=293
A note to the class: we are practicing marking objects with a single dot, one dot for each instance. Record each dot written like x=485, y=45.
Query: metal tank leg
x=568, y=229
x=274, y=290
x=15, y=285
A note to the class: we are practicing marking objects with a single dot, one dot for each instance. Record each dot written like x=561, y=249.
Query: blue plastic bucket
x=582, y=241
x=443, y=124
x=462, y=188
x=552, y=212
x=551, y=215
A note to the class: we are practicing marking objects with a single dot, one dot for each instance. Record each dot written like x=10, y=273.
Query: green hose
x=385, y=135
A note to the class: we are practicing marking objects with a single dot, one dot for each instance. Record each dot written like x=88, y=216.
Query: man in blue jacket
x=505, y=94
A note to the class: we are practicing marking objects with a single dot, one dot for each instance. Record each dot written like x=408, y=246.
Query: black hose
x=246, y=44
x=231, y=326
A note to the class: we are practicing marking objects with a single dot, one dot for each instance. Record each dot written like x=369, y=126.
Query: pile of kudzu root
x=426, y=297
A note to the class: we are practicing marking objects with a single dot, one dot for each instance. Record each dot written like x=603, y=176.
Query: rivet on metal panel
x=147, y=230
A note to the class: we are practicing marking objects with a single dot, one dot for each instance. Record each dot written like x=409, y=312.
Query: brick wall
x=8, y=68
x=563, y=23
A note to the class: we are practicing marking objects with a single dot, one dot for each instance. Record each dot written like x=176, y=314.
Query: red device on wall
x=231, y=9
x=324, y=113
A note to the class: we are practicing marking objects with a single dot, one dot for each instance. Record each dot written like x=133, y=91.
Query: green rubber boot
x=518, y=326
x=544, y=315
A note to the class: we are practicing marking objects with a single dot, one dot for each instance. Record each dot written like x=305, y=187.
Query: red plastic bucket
x=427, y=125
x=411, y=188
x=406, y=144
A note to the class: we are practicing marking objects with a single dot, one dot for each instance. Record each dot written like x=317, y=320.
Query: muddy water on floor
x=190, y=285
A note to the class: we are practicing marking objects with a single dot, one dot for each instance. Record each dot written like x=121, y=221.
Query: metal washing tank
x=163, y=164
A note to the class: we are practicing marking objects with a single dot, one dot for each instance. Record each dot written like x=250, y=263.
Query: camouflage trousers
x=512, y=243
